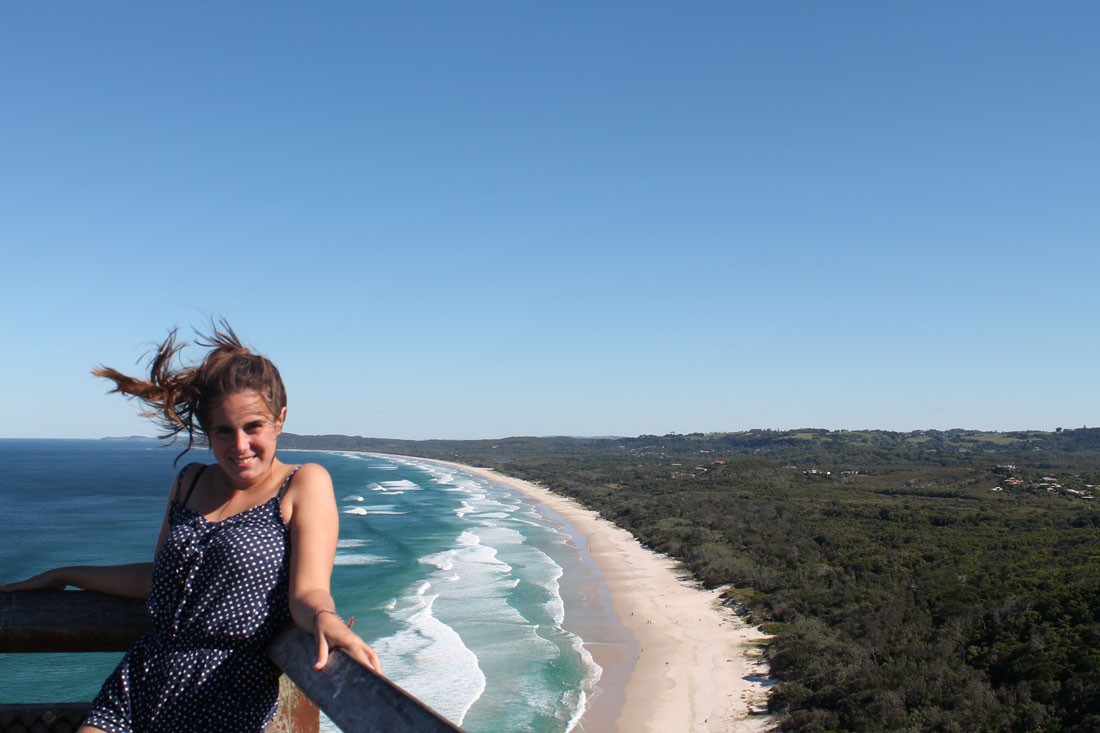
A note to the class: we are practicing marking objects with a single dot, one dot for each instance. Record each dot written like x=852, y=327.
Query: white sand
x=695, y=665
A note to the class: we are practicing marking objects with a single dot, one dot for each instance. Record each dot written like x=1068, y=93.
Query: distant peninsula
x=132, y=439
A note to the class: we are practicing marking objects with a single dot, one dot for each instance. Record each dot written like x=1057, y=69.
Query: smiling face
x=242, y=435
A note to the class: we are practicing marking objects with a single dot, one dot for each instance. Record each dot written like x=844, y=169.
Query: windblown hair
x=181, y=399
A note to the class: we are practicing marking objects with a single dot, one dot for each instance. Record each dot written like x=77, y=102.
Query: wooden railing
x=353, y=697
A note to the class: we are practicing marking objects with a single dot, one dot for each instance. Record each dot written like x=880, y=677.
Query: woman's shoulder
x=311, y=472
x=310, y=490
x=192, y=469
x=187, y=477
x=308, y=478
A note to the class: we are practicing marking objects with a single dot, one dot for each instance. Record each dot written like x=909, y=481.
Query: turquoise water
x=454, y=581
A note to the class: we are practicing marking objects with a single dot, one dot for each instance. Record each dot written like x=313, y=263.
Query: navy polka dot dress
x=219, y=596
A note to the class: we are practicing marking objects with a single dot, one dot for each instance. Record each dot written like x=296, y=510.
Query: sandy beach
x=680, y=661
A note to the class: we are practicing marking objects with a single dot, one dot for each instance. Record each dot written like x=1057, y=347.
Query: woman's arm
x=314, y=528
x=128, y=581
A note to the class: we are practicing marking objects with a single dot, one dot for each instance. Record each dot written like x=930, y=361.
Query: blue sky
x=482, y=219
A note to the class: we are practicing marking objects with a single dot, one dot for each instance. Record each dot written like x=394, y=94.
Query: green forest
x=924, y=581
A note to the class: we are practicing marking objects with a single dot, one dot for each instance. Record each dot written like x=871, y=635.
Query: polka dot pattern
x=219, y=595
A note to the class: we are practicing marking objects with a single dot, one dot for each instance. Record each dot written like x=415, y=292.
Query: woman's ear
x=279, y=422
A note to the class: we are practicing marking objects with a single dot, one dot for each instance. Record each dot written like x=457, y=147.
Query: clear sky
x=481, y=219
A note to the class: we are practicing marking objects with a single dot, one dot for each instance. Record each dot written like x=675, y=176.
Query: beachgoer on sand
x=247, y=544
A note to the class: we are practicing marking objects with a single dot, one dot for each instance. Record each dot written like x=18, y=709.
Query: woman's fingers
x=322, y=651
x=352, y=645
x=366, y=657
x=38, y=582
x=332, y=633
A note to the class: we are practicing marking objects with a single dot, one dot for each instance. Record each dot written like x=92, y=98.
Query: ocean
x=455, y=581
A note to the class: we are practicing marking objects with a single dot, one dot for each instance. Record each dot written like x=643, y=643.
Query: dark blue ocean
x=455, y=581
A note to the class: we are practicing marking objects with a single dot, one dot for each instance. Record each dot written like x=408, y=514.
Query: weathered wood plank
x=297, y=713
x=353, y=697
x=69, y=621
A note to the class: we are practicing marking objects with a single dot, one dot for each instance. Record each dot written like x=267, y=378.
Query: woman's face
x=242, y=435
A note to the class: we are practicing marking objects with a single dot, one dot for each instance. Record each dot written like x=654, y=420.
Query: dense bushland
x=904, y=593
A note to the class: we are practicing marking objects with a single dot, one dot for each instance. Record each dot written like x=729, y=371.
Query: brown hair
x=181, y=398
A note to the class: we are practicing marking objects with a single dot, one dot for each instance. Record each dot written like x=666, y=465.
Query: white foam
x=578, y=699
x=428, y=658
x=403, y=483
x=384, y=490
x=363, y=511
x=383, y=508
x=440, y=560
x=361, y=560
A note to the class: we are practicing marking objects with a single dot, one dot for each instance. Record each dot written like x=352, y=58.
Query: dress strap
x=286, y=483
x=195, y=480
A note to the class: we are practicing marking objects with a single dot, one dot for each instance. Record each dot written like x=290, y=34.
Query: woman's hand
x=331, y=633
x=51, y=579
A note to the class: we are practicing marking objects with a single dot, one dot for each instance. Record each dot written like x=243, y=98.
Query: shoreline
x=684, y=663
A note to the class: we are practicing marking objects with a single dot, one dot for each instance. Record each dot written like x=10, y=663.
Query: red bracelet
x=319, y=611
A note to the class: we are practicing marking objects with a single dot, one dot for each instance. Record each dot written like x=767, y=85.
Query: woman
x=247, y=544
